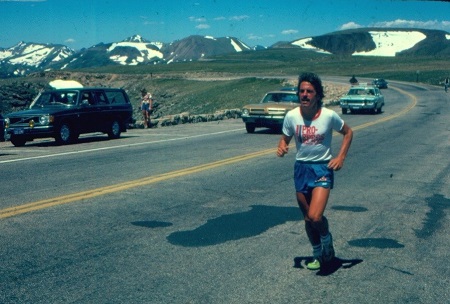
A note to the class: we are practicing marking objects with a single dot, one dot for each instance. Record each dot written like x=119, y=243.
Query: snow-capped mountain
x=134, y=50
x=197, y=47
x=25, y=58
x=379, y=42
x=137, y=50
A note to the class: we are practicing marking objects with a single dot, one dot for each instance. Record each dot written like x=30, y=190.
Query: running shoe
x=313, y=265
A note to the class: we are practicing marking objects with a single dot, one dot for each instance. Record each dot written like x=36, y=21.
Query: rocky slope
x=18, y=93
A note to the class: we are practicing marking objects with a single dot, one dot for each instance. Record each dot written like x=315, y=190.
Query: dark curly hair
x=316, y=82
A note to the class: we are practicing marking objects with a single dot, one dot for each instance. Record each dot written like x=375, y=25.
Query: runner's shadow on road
x=330, y=267
x=235, y=226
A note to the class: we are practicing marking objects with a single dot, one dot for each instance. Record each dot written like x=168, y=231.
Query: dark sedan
x=380, y=83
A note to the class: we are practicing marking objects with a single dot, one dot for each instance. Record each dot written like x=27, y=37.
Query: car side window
x=101, y=98
x=272, y=98
x=87, y=98
x=289, y=98
x=115, y=97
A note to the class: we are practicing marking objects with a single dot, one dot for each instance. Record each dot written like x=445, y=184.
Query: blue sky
x=83, y=23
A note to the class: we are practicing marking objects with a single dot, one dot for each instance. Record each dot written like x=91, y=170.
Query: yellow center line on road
x=398, y=114
x=12, y=211
x=65, y=199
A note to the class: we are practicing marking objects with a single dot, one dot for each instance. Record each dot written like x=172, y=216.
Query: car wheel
x=379, y=109
x=114, y=130
x=344, y=111
x=250, y=127
x=65, y=135
x=18, y=141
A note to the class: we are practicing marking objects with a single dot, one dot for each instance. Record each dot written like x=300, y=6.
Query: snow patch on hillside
x=390, y=42
x=145, y=52
x=32, y=56
x=236, y=46
x=304, y=43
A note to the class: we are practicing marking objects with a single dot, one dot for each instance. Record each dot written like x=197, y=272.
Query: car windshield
x=361, y=92
x=60, y=98
x=280, y=97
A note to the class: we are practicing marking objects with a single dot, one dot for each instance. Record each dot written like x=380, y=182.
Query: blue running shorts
x=309, y=175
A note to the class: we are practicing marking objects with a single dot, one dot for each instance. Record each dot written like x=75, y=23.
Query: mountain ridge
x=25, y=58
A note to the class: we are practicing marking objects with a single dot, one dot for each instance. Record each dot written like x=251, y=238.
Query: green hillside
x=291, y=61
x=177, y=87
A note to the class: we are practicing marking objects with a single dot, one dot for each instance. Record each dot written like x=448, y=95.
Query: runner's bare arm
x=338, y=162
x=283, y=145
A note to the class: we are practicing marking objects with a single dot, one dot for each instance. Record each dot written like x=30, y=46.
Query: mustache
x=305, y=99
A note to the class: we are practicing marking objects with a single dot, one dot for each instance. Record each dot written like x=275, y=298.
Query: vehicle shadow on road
x=267, y=131
x=328, y=268
x=86, y=139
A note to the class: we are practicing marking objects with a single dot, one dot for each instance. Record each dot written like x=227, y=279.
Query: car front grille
x=257, y=111
x=276, y=111
x=269, y=111
x=22, y=121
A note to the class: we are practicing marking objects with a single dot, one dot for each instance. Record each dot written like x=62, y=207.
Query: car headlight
x=245, y=112
x=45, y=119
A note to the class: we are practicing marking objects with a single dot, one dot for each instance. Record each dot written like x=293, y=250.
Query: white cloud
x=197, y=19
x=254, y=37
x=70, y=40
x=432, y=24
x=401, y=23
x=289, y=32
x=350, y=25
x=202, y=26
x=239, y=18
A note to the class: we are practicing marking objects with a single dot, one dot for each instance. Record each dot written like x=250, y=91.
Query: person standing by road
x=353, y=80
x=312, y=125
x=446, y=84
x=146, y=107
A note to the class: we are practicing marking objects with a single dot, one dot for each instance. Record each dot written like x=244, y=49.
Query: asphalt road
x=206, y=213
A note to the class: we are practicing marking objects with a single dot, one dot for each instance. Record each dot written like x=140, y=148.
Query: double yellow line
x=12, y=211
x=65, y=199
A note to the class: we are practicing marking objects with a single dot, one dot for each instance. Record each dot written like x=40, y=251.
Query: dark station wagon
x=64, y=114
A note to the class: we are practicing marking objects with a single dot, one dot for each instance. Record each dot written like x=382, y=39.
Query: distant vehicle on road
x=362, y=98
x=64, y=114
x=380, y=83
x=270, y=111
